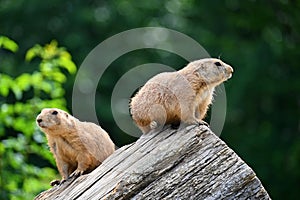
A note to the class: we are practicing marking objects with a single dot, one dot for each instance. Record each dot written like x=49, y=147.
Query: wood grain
x=191, y=163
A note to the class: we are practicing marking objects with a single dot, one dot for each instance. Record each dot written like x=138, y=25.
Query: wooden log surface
x=190, y=163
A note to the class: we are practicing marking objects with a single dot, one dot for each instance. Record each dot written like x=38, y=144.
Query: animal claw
x=57, y=182
x=62, y=182
x=76, y=174
x=201, y=122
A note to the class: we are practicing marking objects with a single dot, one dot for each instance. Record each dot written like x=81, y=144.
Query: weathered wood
x=191, y=163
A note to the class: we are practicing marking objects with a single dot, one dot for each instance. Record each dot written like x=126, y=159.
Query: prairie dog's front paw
x=76, y=173
x=201, y=122
x=56, y=182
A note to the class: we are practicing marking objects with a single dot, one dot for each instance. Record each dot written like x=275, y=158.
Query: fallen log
x=191, y=163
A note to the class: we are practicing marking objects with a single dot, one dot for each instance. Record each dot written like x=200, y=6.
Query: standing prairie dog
x=78, y=147
x=180, y=96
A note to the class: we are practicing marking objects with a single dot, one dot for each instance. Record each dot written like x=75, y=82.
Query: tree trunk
x=191, y=163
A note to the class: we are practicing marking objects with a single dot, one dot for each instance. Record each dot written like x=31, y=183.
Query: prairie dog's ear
x=67, y=115
x=69, y=120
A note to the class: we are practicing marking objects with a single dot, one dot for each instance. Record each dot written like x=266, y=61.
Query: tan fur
x=78, y=147
x=181, y=96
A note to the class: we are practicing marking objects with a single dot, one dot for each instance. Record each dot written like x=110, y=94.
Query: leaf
x=7, y=109
x=59, y=77
x=36, y=78
x=21, y=124
x=5, y=84
x=8, y=44
x=33, y=52
x=23, y=81
x=2, y=148
x=8, y=121
x=46, y=67
x=50, y=50
x=68, y=64
x=39, y=83
x=59, y=92
x=17, y=91
x=46, y=86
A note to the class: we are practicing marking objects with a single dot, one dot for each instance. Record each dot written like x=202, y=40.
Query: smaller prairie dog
x=78, y=147
x=180, y=96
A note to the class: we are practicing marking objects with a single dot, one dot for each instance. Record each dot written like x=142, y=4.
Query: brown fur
x=181, y=96
x=78, y=147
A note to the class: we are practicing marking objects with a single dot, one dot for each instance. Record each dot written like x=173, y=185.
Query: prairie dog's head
x=54, y=121
x=211, y=70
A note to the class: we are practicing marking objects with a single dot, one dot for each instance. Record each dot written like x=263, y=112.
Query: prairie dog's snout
x=39, y=121
x=228, y=70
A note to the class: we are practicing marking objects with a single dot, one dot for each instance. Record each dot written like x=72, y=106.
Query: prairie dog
x=78, y=147
x=180, y=96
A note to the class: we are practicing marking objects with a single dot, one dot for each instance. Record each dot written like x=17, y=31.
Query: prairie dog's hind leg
x=84, y=164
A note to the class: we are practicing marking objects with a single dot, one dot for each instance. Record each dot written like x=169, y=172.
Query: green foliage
x=23, y=147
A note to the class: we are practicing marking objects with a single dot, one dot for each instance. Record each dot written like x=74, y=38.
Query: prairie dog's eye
x=218, y=64
x=54, y=112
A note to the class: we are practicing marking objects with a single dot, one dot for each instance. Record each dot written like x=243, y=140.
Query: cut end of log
x=191, y=163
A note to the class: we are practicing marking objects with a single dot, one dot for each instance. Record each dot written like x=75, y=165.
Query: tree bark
x=191, y=163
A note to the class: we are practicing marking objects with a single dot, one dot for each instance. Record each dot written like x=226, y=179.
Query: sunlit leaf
x=9, y=121
x=8, y=44
x=46, y=67
x=33, y=52
x=59, y=77
x=45, y=86
x=5, y=84
x=57, y=93
x=67, y=64
x=21, y=124
x=36, y=78
x=50, y=50
x=12, y=185
x=19, y=107
x=65, y=54
x=23, y=81
x=17, y=91
x=2, y=148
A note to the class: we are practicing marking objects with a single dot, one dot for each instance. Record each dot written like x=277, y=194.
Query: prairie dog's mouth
x=43, y=127
x=229, y=76
x=41, y=123
x=229, y=69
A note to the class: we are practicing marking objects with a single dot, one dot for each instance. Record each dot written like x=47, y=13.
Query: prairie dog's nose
x=39, y=120
x=229, y=69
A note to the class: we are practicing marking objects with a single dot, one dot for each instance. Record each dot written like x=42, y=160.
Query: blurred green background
x=260, y=39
